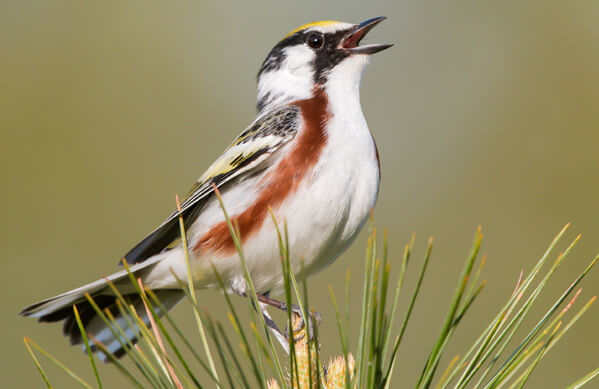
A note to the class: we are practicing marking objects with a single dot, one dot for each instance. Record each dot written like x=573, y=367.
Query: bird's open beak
x=352, y=40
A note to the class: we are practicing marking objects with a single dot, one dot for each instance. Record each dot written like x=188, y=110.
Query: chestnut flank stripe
x=281, y=182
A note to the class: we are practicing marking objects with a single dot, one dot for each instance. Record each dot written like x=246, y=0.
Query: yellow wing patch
x=322, y=23
x=233, y=156
x=225, y=164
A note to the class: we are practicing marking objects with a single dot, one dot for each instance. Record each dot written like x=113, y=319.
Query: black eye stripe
x=329, y=56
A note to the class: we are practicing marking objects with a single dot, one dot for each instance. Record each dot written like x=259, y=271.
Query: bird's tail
x=115, y=339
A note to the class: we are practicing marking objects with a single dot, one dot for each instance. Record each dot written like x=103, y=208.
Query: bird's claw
x=299, y=324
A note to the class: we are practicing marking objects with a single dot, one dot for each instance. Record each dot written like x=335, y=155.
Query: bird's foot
x=299, y=325
x=298, y=322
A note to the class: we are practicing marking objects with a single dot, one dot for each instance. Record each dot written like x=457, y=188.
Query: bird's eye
x=315, y=40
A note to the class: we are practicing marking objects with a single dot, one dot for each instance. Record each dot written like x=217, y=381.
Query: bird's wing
x=248, y=153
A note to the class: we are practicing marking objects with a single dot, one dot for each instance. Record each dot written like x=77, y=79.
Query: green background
x=484, y=113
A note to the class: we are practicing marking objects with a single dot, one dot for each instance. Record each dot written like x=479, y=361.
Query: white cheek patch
x=293, y=80
x=299, y=59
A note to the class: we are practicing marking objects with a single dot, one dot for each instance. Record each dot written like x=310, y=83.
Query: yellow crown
x=315, y=24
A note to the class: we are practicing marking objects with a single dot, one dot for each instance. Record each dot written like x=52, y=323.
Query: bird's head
x=315, y=54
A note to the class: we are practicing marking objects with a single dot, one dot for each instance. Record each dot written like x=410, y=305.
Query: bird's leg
x=264, y=300
x=270, y=323
x=314, y=316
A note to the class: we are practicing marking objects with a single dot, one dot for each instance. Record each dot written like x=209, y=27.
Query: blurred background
x=484, y=113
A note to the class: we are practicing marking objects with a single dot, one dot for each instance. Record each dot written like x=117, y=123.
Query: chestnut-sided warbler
x=309, y=157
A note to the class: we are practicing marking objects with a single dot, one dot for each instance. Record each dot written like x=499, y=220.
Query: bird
x=308, y=159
